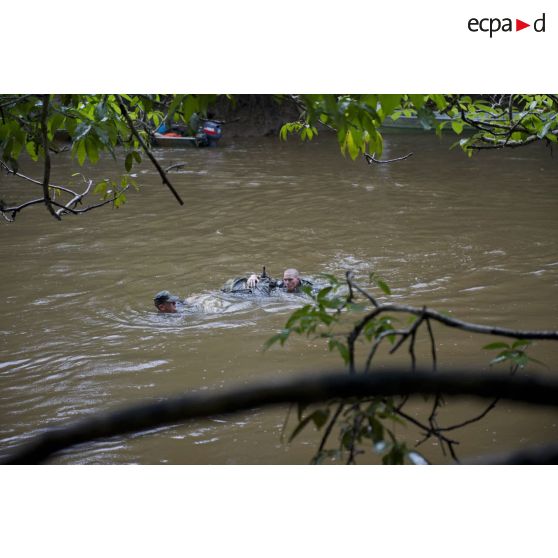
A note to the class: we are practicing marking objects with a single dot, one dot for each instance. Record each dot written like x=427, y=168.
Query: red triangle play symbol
x=519, y=25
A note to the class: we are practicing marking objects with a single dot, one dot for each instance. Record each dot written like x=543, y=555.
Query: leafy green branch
x=348, y=317
x=485, y=122
x=37, y=125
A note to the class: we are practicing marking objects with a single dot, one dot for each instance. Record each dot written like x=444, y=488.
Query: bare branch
x=427, y=429
x=175, y=166
x=352, y=285
x=410, y=332
x=95, y=206
x=15, y=210
x=156, y=164
x=329, y=427
x=23, y=176
x=76, y=199
x=500, y=144
x=67, y=208
x=453, y=322
x=432, y=345
x=372, y=159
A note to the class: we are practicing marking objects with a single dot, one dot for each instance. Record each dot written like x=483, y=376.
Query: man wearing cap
x=165, y=302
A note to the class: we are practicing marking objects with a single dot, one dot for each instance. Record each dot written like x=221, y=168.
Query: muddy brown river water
x=475, y=237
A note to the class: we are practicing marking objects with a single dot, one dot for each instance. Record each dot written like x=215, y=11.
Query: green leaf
x=91, y=149
x=319, y=417
x=119, y=200
x=129, y=162
x=101, y=188
x=384, y=286
x=322, y=294
x=389, y=103
x=377, y=430
x=497, y=345
x=31, y=148
x=301, y=425
x=351, y=145
x=81, y=152
x=440, y=101
x=55, y=122
x=297, y=315
x=280, y=337
x=417, y=100
x=341, y=347
x=457, y=126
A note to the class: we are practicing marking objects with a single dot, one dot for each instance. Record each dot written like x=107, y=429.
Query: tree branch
x=372, y=159
x=156, y=164
x=453, y=322
x=20, y=175
x=306, y=389
x=64, y=208
x=329, y=427
x=46, y=175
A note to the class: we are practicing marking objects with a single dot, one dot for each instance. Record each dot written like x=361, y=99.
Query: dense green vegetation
x=490, y=122
x=122, y=126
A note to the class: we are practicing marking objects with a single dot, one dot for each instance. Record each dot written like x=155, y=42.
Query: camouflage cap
x=164, y=296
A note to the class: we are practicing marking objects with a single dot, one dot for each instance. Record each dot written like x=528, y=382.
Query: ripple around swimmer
x=214, y=310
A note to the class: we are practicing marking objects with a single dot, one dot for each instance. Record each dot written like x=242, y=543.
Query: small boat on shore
x=208, y=135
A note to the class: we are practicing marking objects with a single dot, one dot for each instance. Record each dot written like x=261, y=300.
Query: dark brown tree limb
x=306, y=389
x=15, y=210
x=453, y=322
x=46, y=175
x=156, y=164
x=432, y=346
x=353, y=285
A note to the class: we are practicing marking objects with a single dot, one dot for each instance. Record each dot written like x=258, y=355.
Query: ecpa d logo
x=494, y=24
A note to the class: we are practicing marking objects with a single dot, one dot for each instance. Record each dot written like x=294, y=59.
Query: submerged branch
x=372, y=159
x=175, y=166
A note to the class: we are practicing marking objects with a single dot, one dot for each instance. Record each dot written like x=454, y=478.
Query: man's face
x=167, y=307
x=291, y=282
